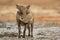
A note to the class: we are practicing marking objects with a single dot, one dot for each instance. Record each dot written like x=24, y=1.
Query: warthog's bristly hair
x=23, y=17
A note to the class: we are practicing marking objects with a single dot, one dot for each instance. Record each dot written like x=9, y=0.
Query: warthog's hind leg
x=31, y=30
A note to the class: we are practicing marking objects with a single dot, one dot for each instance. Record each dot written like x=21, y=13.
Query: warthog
x=25, y=18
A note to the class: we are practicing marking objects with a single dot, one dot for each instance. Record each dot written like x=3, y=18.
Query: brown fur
x=26, y=19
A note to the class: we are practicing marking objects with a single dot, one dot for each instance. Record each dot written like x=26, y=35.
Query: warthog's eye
x=19, y=12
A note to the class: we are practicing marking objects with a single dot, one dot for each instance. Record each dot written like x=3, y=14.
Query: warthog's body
x=25, y=18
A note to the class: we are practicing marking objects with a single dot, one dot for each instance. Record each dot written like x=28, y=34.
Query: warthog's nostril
x=21, y=18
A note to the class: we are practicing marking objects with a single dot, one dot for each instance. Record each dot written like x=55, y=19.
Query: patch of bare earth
x=42, y=31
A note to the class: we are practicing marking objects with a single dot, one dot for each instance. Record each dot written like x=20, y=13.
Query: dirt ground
x=42, y=31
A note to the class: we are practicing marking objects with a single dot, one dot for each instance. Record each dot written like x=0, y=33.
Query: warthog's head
x=23, y=10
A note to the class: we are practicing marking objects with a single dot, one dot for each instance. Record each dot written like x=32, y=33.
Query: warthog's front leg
x=24, y=31
x=28, y=30
x=19, y=30
x=31, y=30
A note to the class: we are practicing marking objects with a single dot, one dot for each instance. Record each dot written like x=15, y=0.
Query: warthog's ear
x=17, y=6
x=28, y=7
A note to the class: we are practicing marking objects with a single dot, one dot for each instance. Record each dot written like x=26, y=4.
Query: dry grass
x=44, y=10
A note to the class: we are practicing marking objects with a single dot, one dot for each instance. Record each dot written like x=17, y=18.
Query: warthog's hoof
x=19, y=36
x=23, y=36
x=31, y=35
